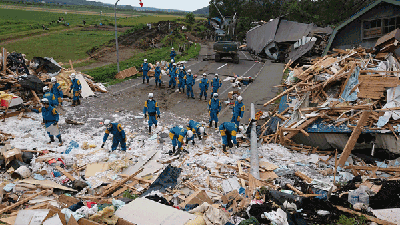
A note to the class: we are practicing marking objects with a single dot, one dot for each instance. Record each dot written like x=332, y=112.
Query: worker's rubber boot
x=73, y=103
x=178, y=152
x=183, y=90
x=60, y=140
x=205, y=98
x=193, y=97
x=147, y=80
x=51, y=140
x=169, y=86
x=149, y=130
x=143, y=81
x=187, y=141
x=216, y=125
x=78, y=102
x=224, y=148
x=209, y=125
x=199, y=137
x=193, y=142
x=171, y=152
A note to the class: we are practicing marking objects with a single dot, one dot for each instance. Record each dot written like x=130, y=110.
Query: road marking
x=245, y=55
x=222, y=66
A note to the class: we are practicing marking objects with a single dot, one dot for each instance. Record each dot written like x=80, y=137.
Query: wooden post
x=70, y=63
x=353, y=138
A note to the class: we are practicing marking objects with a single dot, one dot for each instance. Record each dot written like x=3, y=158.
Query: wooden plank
x=388, y=169
x=23, y=201
x=353, y=138
x=294, y=189
x=370, y=218
x=65, y=173
x=241, y=172
x=120, y=191
x=119, y=183
x=303, y=176
x=70, y=63
x=302, y=126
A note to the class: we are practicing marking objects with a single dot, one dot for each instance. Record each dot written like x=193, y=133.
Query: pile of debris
x=22, y=81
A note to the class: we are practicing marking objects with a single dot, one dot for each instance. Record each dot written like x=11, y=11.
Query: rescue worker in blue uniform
x=203, y=86
x=157, y=74
x=228, y=133
x=196, y=128
x=177, y=134
x=56, y=90
x=171, y=64
x=214, y=107
x=50, y=117
x=76, y=88
x=151, y=110
x=118, y=135
x=215, y=84
x=50, y=96
x=190, y=82
x=172, y=54
x=181, y=76
x=145, y=68
x=173, y=74
x=237, y=111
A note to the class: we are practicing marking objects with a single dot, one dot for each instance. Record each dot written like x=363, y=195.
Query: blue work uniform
x=151, y=107
x=170, y=66
x=172, y=55
x=145, y=68
x=181, y=76
x=50, y=117
x=194, y=127
x=173, y=74
x=190, y=81
x=177, y=134
x=157, y=74
x=57, y=92
x=203, y=87
x=76, y=87
x=214, y=107
x=118, y=136
x=228, y=132
x=215, y=84
x=52, y=99
x=238, y=112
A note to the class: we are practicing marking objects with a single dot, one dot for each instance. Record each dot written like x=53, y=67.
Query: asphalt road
x=175, y=107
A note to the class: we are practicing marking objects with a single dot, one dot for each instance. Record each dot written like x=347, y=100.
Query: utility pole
x=116, y=36
x=100, y=18
x=254, y=170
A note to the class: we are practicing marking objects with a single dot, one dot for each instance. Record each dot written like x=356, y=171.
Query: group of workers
x=52, y=98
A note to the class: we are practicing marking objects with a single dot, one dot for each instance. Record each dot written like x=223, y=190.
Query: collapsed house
x=282, y=40
x=347, y=93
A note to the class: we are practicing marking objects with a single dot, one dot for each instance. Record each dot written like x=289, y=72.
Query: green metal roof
x=351, y=19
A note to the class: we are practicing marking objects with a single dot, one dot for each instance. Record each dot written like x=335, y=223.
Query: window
x=372, y=28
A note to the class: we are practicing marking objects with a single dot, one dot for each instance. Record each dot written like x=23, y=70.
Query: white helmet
x=158, y=64
x=180, y=126
x=172, y=60
x=215, y=95
x=189, y=71
x=204, y=74
x=189, y=134
x=239, y=98
x=150, y=95
x=44, y=101
x=216, y=74
x=73, y=75
x=53, y=79
x=45, y=88
x=174, y=64
x=107, y=122
x=241, y=128
x=181, y=68
x=145, y=60
x=201, y=130
x=172, y=48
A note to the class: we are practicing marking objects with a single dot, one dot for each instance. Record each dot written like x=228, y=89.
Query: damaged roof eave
x=351, y=19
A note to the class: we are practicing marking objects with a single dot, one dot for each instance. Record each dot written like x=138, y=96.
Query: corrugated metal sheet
x=290, y=31
x=257, y=38
x=299, y=52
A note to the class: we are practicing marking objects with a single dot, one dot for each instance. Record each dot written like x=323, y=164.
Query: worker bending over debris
x=151, y=107
x=56, y=90
x=181, y=76
x=157, y=74
x=50, y=120
x=237, y=111
x=172, y=54
x=76, y=88
x=215, y=84
x=214, y=107
x=190, y=81
x=145, y=68
x=196, y=128
x=177, y=134
x=203, y=86
x=50, y=96
x=118, y=135
x=228, y=133
x=173, y=73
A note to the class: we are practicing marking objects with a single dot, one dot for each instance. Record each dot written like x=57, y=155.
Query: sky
x=185, y=5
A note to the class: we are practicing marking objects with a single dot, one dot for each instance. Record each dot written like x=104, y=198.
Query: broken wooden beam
x=8, y=208
x=119, y=183
x=353, y=138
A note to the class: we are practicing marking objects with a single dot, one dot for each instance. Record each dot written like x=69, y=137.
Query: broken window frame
x=385, y=28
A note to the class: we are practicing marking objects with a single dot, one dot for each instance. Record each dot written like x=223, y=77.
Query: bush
x=190, y=18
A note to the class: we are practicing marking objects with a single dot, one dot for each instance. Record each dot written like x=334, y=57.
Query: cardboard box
x=12, y=154
x=231, y=93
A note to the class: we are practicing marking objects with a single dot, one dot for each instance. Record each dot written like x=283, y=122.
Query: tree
x=190, y=18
